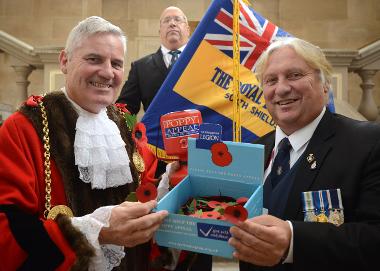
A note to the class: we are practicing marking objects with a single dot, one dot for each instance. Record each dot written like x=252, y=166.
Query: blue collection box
x=243, y=177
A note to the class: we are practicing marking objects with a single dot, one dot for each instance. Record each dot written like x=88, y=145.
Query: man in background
x=144, y=80
x=148, y=73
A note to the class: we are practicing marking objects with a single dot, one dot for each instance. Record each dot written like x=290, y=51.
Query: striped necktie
x=174, y=58
x=281, y=163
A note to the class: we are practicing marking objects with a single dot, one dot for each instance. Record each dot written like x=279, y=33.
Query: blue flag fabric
x=202, y=77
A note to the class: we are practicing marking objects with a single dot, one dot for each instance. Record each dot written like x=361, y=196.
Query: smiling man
x=94, y=70
x=67, y=166
x=322, y=176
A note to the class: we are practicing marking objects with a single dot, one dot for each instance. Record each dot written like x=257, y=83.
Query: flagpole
x=236, y=73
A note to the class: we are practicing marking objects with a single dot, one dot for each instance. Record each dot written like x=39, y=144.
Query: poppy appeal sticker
x=220, y=155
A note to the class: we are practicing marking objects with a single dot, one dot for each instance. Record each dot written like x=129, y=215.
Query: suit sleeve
x=354, y=244
x=131, y=93
x=28, y=242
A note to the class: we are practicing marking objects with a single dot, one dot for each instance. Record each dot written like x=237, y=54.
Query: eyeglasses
x=176, y=19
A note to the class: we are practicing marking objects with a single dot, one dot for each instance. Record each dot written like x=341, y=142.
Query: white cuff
x=289, y=257
x=106, y=256
x=163, y=186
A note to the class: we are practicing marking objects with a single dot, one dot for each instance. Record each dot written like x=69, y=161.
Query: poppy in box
x=242, y=200
x=235, y=213
x=211, y=215
x=197, y=214
x=214, y=204
x=220, y=155
x=146, y=192
x=222, y=217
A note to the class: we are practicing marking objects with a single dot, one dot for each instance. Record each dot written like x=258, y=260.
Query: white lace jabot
x=99, y=150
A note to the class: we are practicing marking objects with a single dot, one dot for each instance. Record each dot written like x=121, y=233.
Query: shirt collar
x=300, y=137
x=166, y=51
x=79, y=109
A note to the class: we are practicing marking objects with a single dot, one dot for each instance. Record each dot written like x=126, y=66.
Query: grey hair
x=91, y=26
x=312, y=55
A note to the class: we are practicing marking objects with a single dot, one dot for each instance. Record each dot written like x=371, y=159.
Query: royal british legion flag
x=202, y=77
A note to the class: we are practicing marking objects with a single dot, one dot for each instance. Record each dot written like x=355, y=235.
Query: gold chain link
x=46, y=141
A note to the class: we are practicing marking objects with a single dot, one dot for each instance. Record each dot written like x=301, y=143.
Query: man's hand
x=261, y=240
x=131, y=224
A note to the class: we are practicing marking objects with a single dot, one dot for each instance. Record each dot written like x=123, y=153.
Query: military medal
x=322, y=217
x=59, y=209
x=308, y=207
x=336, y=217
x=138, y=161
x=323, y=206
x=310, y=216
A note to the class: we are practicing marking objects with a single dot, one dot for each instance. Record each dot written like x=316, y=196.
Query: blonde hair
x=312, y=55
x=91, y=26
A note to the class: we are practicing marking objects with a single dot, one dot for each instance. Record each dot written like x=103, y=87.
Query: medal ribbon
x=307, y=201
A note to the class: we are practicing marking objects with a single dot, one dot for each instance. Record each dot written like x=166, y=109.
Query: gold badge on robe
x=59, y=209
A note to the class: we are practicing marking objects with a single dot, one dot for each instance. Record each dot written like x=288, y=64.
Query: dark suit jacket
x=348, y=157
x=144, y=80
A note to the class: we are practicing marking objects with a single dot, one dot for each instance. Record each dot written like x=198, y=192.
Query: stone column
x=367, y=107
x=22, y=83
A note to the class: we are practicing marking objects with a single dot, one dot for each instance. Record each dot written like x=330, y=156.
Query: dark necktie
x=281, y=163
x=174, y=58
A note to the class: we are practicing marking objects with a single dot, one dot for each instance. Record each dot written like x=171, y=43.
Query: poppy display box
x=242, y=177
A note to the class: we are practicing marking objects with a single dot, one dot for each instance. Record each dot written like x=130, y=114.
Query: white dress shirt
x=299, y=140
x=167, y=57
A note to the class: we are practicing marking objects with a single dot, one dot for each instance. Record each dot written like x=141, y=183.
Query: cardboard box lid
x=247, y=164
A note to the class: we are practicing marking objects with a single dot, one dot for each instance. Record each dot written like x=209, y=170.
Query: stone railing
x=366, y=64
x=341, y=60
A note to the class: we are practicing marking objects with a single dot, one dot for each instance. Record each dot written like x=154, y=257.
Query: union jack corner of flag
x=256, y=34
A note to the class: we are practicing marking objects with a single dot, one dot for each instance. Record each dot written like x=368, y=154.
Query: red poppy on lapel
x=33, y=100
x=122, y=107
